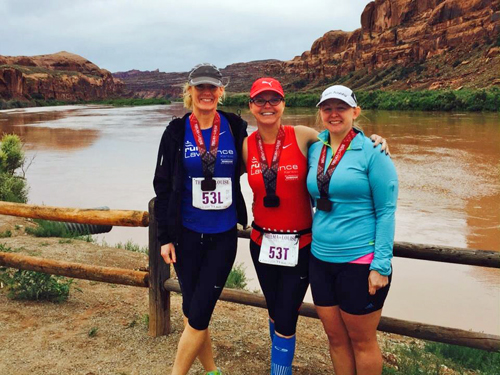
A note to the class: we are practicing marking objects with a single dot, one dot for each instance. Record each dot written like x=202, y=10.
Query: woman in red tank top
x=275, y=157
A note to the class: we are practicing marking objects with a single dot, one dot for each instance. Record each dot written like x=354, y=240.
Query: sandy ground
x=49, y=338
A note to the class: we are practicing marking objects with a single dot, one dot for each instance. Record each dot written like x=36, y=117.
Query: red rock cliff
x=403, y=33
x=60, y=76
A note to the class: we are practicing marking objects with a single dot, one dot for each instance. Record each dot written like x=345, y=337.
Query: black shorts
x=344, y=285
x=284, y=288
x=204, y=262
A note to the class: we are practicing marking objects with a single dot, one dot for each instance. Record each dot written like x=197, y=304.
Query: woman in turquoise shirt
x=355, y=191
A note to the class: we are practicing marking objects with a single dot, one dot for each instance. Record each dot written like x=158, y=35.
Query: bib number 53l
x=218, y=199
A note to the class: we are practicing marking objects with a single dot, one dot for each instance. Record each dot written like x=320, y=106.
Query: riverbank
x=121, y=102
x=102, y=328
x=427, y=100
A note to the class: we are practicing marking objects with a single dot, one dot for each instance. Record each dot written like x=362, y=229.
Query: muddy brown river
x=448, y=166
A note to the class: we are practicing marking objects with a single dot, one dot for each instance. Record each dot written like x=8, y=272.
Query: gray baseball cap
x=205, y=74
x=339, y=92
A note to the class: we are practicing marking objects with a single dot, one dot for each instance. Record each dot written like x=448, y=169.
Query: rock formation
x=61, y=76
x=156, y=84
x=433, y=36
x=402, y=44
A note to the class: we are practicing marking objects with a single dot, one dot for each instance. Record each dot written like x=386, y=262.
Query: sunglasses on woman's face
x=261, y=102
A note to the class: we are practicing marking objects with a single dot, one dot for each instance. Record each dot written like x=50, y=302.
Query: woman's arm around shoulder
x=305, y=137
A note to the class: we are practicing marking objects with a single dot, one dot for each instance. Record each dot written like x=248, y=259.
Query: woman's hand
x=376, y=281
x=168, y=253
x=377, y=140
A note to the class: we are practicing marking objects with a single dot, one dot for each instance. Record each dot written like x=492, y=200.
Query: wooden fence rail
x=457, y=255
x=402, y=327
x=125, y=218
x=76, y=270
x=160, y=285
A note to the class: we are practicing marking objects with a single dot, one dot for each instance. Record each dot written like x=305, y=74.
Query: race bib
x=218, y=199
x=279, y=249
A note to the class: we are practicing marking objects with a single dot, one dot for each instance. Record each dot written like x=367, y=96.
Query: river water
x=448, y=166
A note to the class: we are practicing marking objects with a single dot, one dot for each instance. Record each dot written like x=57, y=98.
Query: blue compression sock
x=271, y=329
x=282, y=355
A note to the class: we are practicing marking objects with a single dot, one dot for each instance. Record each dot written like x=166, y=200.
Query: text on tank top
x=294, y=211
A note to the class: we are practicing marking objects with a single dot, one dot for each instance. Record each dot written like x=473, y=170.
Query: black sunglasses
x=260, y=102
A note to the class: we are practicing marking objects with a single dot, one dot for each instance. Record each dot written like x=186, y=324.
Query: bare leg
x=340, y=344
x=205, y=355
x=188, y=349
x=362, y=330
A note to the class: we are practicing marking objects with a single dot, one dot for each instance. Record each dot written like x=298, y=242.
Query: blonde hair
x=188, y=100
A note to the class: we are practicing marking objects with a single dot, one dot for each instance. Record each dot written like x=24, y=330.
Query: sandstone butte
x=62, y=76
x=401, y=45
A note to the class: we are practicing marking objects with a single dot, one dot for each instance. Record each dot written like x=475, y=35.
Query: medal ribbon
x=324, y=178
x=270, y=174
x=207, y=157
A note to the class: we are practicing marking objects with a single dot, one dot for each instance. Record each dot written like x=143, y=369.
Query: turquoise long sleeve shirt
x=363, y=191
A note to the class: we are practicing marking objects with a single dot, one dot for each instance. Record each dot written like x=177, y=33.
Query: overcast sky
x=171, y=35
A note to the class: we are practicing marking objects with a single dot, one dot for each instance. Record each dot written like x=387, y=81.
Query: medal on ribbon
x=270, y=173
x=323, y=178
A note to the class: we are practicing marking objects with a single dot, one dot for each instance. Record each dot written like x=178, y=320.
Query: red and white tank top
x=294, y=211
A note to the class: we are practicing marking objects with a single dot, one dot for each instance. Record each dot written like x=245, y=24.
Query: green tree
x=13, y=188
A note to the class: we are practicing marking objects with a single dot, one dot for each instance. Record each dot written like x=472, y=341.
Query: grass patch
x=46, y=228
x=237, y=278
x=35, y=286
x=6, y=234
x=437, y=358
x=131, y=246
x=86, y=237
x=460, y=358
x=7, y=249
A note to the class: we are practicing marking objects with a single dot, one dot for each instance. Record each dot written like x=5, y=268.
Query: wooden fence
x=157, y=279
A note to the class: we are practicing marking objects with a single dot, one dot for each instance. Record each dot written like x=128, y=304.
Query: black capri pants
x=284, y=288
x=204, y=262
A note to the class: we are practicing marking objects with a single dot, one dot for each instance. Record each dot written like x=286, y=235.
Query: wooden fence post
x=159, y=272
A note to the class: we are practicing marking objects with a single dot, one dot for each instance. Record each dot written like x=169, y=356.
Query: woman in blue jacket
x=355, y=189
x=198, y=204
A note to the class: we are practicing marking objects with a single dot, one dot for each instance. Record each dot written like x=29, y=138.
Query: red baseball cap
x=266, y=84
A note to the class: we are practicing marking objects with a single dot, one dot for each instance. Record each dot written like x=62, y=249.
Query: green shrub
x=237, y=278
x=11, y=154
x=35, y=286
x=238, y=100
x=426, y=100
x=13, y=188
